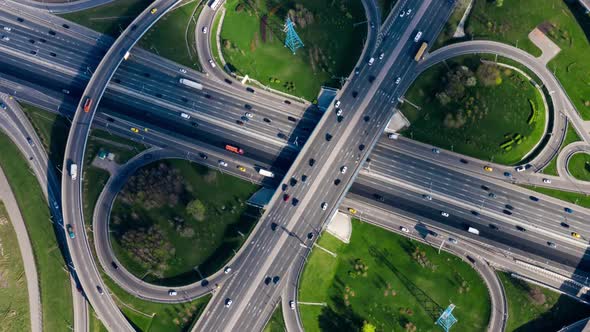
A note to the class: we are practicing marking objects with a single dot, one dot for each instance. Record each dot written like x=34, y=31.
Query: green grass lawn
x=376, y=279
x=570, y=137
x=14, y=302
x=332, y=42
x=111, y=18
x=385, y=6
x=566, y=25
x=54, y=282
x=214, y=238
x=579, y=166
x=493, y=115
x=276, y=322
x=94, y=324
x=547, y=312
x=571, y=197
x=173, y=37
x=213, y=39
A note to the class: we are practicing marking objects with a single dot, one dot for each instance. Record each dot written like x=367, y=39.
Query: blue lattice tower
x=446, y=320
x=293, y=42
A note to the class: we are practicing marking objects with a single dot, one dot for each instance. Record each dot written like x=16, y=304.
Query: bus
x=234, y=149
x=215, y=4
x=87, y=104
x=420, y=53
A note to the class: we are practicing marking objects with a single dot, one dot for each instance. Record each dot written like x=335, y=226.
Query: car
x=533, y=198
x=7, y=29
x=222, y=163
x=463, y=161
x=337, y=103
x=488, y=168
x=287, y=102
x=352, y=210
x=241, y=168
x=338, y=112
x=292, y=305
x=135, y=130
x=267, y=120
x=337, y=182
x=249, y=115
x=507, y=212
x=381, y=56
x=435, y=150
x=310, y=236
x=418, y=36
x=494, y=227
x=227, y=270
x=154, y=10
x=444, y=214
x=576, y=235
x=361, y=147
x=182, y=70
x=328, y=137
x=545, y=180
x=276, y=279
x=343, y=169
x=484, y=187
x=393, y=136
x=379, y=197
x=372, y=25
x=521, y=229
x=240, y=122
x=475, y=213
x=509, y=207
x=292, y=119
x=357, y=71
x=507, y=174
x=204, y=29
x=212, y=63
x=172, y=292
x=551, y=244
x=303, y=178
x=273, y=226
x=185, y=116
x=286, y=197
x=409, y=12
x=281, y=136
x=51, y=32
x=452, y=240
x=292, y=181
x=228, y=302
x=66, y=91
x=311, y=162
x=568, y=210
x=203, y=156
x=267, y=280
x=324, y=206
x=432, y=233
x=427, y=197
x=397, y=80
x=564, y=225
x=403, y=229
x=294, y=201
x=492, y=195
x=249, y=89
x=371, y=78
x=114, y=265
x=70, y=230
x=402, y=14
x=520, y=168
x=5, y=38
x=99, y=289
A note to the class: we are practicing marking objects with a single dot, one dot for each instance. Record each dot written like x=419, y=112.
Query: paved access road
x=65, y=6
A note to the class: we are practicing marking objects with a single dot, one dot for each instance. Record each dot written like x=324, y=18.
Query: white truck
x=190, y=83
x=266, y=173
x=74, y=171
x=473, y=230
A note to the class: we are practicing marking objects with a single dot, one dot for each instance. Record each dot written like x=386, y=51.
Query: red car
x=286, y=197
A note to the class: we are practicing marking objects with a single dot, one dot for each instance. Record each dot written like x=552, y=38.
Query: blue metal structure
x=446, y=320
x=293, y=42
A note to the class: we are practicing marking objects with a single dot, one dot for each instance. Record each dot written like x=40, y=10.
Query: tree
x=488, y=74
x=368, y=327
x=197, y=209
x=499, y=3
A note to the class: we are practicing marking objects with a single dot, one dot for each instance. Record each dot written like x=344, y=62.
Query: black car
x=114, y=265
x=267, y=280
x=228, y=81
x=371, y=78
x=311, y=162
x=533, y=198
x=361, y=147
x=303, y=178
x=475, y=213
x=484, y=187
x=267, y=120
x=509, y=207
x=294, y=201
x=249, y=89
x=276, y=279
x=508, y=212
x=248, y=106
x=355, y=94
x=281, y=136
x=379, y=197
x=522, y=229
x=328, y=137
x=494, y=227
x=292, y=119
x=310, y=235
x=273, y=226
x=65, y=26
x=565, y=225
x=293, y=182
x=203, y=156
x=337, y=182
x=287, y=102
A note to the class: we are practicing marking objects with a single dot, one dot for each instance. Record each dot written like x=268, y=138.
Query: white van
x=418, y=36
x=473, y=230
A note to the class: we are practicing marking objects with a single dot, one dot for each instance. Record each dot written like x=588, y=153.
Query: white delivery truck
x=266, y=173
x=473, y=230
x=190, y=83
x=74, y=171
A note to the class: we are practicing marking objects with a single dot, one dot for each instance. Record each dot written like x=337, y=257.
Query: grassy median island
x=532, y=308
x=252, y=42
x=54, y=279
x=390, y=282
x=570, y=137
x=563, y=21
x=579, y=166
x=175, y=221
x=14, y=300
x=478, y=109
x=276, y=322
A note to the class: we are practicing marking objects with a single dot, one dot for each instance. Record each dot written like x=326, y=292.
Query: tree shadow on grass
x=580, y=15
x=339, y=317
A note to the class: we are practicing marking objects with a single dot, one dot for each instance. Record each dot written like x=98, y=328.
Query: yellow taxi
x=135, y=130
x=352, y=211
x=487, y=168
x=154, y=10
x=241, y=168
x=576, y=235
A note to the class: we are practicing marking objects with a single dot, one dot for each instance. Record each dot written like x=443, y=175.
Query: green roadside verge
x=14, y=302
x=567, y=196
x=390, y=282
x=579, y=166
x=276, y=322
x=570, y=137
x=54, y=278
x=532, y=308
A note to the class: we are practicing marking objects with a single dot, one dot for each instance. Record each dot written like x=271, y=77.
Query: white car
x=337, y=103
x=453, y=241
x=427, y=197
x=546, y=180
x=227, y=270
x=185, y=116
x=343, y=169
x=228, y=302
x=339, y=112
x=444, y=214
x=418, y=36
x=381, y=56
x=324, y=206
x=520, y=168
x=7, y=29
x=402, y=14
x=204, y=29
x=172, y=292
x=212, y=63
x=222, y=163
x=249, y=115
x=5, y=38
x=292, y=305
x=397, y=80
x=409, y=12
x=403, y=229
x=393, y=136
x=182, y=70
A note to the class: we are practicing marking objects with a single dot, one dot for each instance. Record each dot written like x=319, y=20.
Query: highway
x=65, y=6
